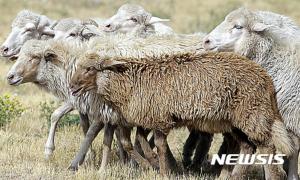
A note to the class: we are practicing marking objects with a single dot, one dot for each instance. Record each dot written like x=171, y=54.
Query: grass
x=22, y=140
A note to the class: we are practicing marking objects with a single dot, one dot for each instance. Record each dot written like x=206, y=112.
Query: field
x=22, y=140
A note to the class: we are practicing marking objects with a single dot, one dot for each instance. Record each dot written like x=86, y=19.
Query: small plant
x=47, y=108
x=10, y=108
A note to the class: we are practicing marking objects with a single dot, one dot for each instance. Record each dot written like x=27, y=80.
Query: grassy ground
x=22, y=140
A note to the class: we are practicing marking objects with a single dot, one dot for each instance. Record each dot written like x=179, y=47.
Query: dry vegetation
x=22, y=140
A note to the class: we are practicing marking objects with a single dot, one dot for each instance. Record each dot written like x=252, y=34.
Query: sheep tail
x=281, y=138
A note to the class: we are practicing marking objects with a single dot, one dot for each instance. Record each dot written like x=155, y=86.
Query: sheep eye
x=237, y=27
x=88, y=69
x=72, y=34
x=27, y=31
x=133, y=19
x=88, y=35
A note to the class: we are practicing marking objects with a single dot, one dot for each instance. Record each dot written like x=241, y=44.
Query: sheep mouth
x=213, y=48
x=13, y=55
x=77, y=92
x=16, y=82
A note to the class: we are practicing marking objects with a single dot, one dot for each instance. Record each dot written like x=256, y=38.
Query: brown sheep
x=212, y=92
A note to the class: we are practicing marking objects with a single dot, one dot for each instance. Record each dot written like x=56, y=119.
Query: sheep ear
x=53, y=24
x=89, y=32
x=30, y=26
x=112, y=64
x=44, y=21
x=48, y=31
x=50, y=56
x=259, y=27
x=90, y=22
x=157, y=20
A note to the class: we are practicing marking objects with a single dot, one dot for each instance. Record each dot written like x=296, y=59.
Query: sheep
x=212, y=92
x=131, y=18
x=271, y=40
x=27, y=25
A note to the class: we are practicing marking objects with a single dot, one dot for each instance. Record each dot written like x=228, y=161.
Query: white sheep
x=273, y=41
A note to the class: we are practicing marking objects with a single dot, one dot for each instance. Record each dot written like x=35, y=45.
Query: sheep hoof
x=90, y=159
x=102, y=170
x=73, y=168
x=49, y=152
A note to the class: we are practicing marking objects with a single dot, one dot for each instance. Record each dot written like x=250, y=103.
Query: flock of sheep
x=131, y=70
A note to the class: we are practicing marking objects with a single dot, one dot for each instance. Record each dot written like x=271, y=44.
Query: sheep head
x=128, y=18
x=71, y=29
x=85, y=77
x=35, y=61
x=27, y=25
x=240, y=30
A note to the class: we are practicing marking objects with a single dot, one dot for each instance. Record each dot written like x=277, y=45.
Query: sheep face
x=78, y=32
x=127, y=19
x=22, y=33
x=240, y=30
x=83, y=80
x=89, y=76
x=31, y=65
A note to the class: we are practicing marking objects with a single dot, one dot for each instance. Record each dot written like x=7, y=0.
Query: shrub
x=10, y=108
x=47, y=108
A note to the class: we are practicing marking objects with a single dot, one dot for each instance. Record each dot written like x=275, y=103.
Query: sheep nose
x=10, y=77
x=4, y=50
x=108, y=25
x=208, y=43
x=206, y=40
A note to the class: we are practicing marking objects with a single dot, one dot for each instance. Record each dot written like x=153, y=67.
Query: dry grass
x=22, y=141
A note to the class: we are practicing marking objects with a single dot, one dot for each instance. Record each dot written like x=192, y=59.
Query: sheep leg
x=122, y=153
x=141, y=137
x=272, y=172
x=223, y=149
x=202, y=148
x=92, y=132
x=189, y=147
x=232, y=148
x=293, y=161
x=151, y=142
x=108, y=138
x=160, y=140
x=55, y=117
x=148, y=152
x=240, y=171
x=84, y=123
x=140, y=133
x=126, y=142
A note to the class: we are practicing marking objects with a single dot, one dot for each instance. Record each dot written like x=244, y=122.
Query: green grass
x=22, y=141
